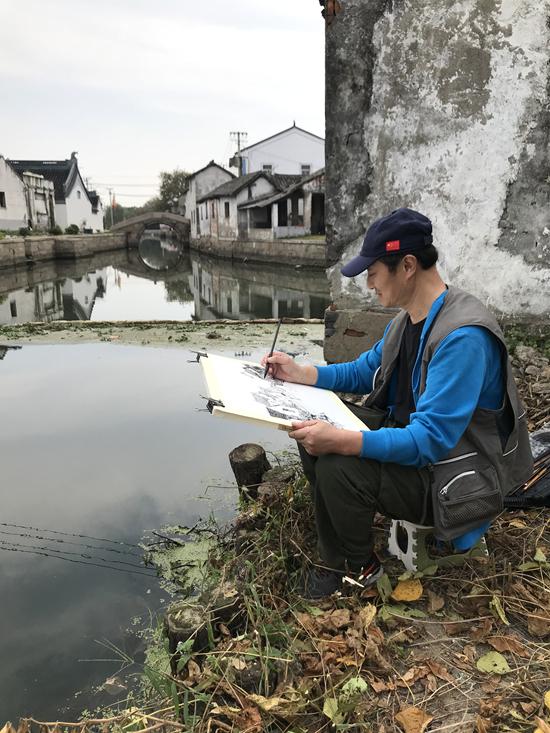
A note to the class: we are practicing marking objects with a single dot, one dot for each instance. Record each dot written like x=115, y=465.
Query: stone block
x=348, y=333
x=39, y=248
x=12, y=252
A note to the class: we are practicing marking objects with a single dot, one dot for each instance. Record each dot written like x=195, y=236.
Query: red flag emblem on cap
x=393, y=246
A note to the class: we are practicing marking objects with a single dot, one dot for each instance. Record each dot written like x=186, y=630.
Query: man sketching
x=448, y=437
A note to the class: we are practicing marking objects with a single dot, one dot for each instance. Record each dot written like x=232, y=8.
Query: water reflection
x=118, y=447
x=159, y=280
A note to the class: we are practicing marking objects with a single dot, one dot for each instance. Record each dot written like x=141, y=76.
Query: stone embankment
x=16, y=251
x=285, y=251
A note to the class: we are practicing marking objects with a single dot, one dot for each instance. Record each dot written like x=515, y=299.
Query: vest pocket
x=464, y=497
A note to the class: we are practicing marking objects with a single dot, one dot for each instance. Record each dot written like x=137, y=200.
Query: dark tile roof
x=293, y=127
x=230, y=188
x=271, y=198
x=62, y=173
x=283, y=181
x=94, y=200
x=210, y=165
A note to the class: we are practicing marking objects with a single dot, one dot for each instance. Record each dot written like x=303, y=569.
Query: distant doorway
x=318, y=213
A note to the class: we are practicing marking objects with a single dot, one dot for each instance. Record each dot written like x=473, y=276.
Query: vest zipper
x=457, y=458
x=443, y=491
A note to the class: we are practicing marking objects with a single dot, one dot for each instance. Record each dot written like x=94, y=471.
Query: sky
x=136, y=87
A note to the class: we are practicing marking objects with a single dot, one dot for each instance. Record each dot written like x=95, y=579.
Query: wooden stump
x=184, y=621
x=249, y=463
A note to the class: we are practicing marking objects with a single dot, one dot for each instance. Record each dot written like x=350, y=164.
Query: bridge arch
x=136, y=225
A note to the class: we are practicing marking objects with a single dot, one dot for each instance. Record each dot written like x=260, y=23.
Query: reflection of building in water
x=219, y=295
x=53, y=301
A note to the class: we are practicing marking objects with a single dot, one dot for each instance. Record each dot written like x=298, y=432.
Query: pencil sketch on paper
x=243, y=392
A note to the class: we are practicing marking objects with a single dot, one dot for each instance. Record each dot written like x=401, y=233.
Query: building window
x=206, y=211
x=213, y=212
x=2, y=200
x=226, y=209
x=229, y=304
x=306, y=169
x=267, y=168
x=78, y=194
x=13, y=308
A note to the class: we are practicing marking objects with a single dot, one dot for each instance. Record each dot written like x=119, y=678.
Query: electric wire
x=11, y=543
x=78, y=562
x=28, y=535
x=70, y=534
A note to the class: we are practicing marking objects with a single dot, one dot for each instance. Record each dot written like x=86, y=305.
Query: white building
x=291, y=152
x=218, y=215
x=13, y=203
x=200, y=183
x=73, y=204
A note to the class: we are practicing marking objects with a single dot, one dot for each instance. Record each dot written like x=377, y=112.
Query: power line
x=57, y=553
x=78, y=562
x=30, y=536
x=70, y=534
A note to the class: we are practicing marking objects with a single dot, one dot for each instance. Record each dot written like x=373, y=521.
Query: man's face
x=390, y=287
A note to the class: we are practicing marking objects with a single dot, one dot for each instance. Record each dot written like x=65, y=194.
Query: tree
x=172, y=187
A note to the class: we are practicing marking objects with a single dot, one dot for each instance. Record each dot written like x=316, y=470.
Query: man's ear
x=410, y=264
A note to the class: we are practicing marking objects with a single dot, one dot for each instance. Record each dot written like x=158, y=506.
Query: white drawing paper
x=244, y=393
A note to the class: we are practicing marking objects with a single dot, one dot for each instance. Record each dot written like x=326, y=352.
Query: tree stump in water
x=249, y=463
x=185, y=621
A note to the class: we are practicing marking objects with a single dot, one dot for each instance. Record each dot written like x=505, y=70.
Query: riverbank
x=17, y=251
x=309, y=251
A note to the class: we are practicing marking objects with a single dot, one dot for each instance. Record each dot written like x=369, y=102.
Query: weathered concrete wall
x=12, y=252
x=285, y=252
x=87, y=244
x=444, y=107
x=39, y=248
x=15, y=251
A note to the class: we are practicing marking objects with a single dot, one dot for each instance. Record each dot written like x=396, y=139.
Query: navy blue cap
x=404, y=231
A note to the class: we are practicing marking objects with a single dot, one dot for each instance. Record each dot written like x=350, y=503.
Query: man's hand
x=282, y=366
x=319, y=437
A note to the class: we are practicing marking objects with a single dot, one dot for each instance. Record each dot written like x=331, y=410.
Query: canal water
x=159, y=281
x=100, y=445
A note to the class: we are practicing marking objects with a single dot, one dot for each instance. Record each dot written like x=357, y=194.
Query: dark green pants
x=347, y=491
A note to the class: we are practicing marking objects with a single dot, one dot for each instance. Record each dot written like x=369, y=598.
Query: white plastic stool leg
x=415, y=535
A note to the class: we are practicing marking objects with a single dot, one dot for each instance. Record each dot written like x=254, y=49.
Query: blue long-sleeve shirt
x=464, y=373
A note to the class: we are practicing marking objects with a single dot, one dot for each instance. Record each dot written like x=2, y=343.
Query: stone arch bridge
x=137, y=225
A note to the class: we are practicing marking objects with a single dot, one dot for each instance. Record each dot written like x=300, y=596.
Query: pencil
x=272, y=347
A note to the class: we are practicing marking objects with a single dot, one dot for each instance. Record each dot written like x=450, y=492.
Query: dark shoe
x=320, y=582
x=367, y=576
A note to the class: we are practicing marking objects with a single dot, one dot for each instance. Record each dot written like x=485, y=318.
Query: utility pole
x=111, y=206
x=239, y=137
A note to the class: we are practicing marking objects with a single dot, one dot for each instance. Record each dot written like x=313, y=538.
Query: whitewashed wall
x=286, y=152
x=454, y=125
x=14, y=215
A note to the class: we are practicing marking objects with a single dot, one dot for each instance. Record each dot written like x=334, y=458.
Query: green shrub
x=72, y=229
x=24, y=231
x=56, y=230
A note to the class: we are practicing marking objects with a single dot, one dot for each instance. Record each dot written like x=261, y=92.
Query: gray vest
x=493, y=456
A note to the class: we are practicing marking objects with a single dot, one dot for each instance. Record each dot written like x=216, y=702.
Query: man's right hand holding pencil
x=283, y=367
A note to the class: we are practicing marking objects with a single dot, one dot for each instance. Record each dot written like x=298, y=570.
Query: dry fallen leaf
x=439, y=671
x=193, y=673
x=336, y=619
x=413, y=720
x=547, y=699
x=435, y=602
x=519, y=523
x=238, y=663
x=482, y=725
x=508, y=644
x=249, y=719
x=543, y=726
x=412, y=675
x=407, y=590
x=366, y=615
x=538, y=625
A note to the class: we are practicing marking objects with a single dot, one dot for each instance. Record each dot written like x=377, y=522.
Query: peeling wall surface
x=444, y=107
